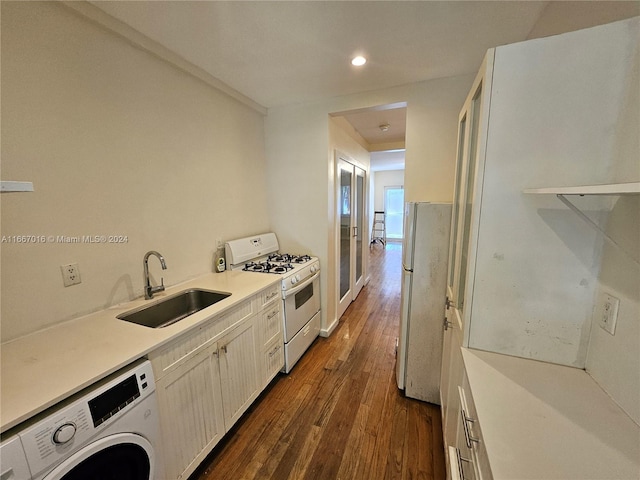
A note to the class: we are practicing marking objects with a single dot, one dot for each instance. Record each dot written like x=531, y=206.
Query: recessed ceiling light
x=358, y=61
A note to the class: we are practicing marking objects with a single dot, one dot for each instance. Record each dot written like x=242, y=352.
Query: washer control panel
x=66, y=427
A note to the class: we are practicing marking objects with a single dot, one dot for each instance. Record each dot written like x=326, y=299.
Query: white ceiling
x=284, y=52
x=369, y=124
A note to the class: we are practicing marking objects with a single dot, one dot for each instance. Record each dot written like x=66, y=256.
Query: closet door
x=351, y=221
x=359, y=234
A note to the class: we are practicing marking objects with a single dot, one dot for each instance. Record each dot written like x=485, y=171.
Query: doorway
x=361, y=134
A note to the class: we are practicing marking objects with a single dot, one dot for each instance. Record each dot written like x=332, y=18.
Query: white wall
x=385, y=178
x=557, y=118
x=614, y=361
x=115, y=141
x=559, y=17
x=380, y=180
x=298, y=146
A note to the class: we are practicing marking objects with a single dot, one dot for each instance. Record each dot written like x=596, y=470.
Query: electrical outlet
x=70, y=274
x=609, y=313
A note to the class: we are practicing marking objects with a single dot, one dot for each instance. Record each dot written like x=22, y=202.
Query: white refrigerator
x=425, y=250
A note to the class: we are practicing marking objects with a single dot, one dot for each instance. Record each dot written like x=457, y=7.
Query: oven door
x=300, y=305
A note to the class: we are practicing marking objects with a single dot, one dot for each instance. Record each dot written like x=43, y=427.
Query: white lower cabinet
x=467, y=458
x=472, y=431
x=190, y=402
x=450, y=379
x=464, y=449
x=270, y=335
x=206, y=379
x=238, y=371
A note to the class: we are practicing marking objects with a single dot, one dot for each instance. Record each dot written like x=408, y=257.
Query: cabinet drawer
x=270, y=323
x=472, y=433
x=179, y=351
x=272, y=360
x=268, y=295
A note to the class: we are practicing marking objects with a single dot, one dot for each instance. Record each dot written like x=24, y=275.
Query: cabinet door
x=238, y=371
x=449, y=387
x=472, y=130
x=191, y=416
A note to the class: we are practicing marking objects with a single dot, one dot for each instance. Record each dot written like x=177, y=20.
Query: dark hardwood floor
x=339, y=413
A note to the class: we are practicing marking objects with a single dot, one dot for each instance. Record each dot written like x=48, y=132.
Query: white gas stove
x=300, y=284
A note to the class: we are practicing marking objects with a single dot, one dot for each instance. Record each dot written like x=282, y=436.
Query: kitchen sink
x=174, y=308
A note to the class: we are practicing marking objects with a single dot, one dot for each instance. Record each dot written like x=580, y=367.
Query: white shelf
x=632, y=188
x=7, y=186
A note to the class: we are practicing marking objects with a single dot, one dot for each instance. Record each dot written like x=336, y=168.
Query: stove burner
x=282, y=268
x=300, y=258
x=276, y=257
x=288, y=258
x=267, y=267
x=257, y=267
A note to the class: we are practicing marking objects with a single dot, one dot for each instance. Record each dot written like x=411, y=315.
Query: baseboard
x=325, y=332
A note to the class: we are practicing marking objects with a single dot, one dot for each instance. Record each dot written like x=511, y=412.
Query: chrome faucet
x=148, y=289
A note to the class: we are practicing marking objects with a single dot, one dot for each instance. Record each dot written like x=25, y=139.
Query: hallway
x=339, y=414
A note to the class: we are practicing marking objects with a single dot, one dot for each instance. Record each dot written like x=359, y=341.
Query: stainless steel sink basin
x=174, y=308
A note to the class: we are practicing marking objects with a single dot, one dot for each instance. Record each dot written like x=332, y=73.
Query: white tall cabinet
x=472, y=128
x=523, y=269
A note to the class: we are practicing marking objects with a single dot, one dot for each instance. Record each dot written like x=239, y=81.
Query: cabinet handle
x=461, y=459
x=465, y=426
x=457, y=472
x=223, y=348
x=272, y=314
x=273, y=352
x=447, y=324
x=447, y=303
x=271, y=295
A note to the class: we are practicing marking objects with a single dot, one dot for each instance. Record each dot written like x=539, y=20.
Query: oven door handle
x=300, y=286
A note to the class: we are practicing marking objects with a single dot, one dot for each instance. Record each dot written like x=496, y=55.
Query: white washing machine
x=13, y=463
x=108, y=431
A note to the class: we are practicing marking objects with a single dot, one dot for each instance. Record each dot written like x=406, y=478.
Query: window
x=394, y=211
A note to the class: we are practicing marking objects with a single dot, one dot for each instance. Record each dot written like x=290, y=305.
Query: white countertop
x=544, y=421
x=43, y=368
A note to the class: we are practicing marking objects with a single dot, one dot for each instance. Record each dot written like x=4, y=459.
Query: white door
x=351, y=221
x=360, y=234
